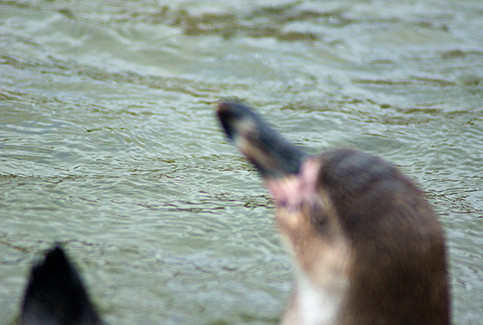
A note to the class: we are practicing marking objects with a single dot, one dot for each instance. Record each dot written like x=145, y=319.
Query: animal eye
x=318, y=215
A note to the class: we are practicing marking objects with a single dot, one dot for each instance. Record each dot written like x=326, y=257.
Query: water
x=108, y=141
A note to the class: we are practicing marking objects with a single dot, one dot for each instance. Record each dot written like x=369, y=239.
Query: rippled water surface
x=108, y=141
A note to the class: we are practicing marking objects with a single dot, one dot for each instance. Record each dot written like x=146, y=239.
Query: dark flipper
x=267, y=150
x=55, y=294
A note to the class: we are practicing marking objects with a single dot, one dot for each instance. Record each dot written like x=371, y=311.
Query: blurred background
x=109, y=144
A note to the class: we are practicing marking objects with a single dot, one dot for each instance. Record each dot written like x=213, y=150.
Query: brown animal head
x=367, y=246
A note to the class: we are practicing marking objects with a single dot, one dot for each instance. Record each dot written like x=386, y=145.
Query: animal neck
x=317, y=305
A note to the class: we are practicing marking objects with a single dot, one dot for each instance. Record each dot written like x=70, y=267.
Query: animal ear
x=55, y=293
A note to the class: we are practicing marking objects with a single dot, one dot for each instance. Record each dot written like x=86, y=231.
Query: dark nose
x=265, y=148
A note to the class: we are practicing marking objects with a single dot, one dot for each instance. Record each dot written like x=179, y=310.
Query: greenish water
x=108, y=140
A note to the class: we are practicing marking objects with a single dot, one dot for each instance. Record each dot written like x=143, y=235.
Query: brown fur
x=374, y=225
x=361, y=233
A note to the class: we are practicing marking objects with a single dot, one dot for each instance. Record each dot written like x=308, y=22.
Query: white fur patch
x=316, y=306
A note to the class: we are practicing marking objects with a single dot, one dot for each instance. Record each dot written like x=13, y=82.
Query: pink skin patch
x=290, y=192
